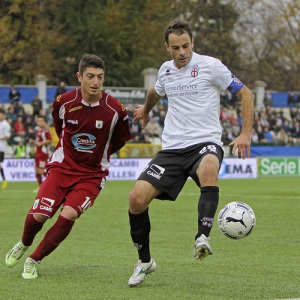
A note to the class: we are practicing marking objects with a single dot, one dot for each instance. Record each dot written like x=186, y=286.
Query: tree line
x=49, y=37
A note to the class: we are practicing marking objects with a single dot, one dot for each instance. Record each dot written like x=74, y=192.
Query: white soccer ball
x=236, y=220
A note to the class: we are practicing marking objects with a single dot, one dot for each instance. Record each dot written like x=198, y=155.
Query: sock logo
x=137, y=246
x=207, y=222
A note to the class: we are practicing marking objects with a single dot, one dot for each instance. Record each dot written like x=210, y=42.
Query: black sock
x=207, y=208
x=140, y=231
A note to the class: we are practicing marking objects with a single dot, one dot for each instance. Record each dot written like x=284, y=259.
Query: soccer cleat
x=13, y=256
x=202, y=247
x=140, y=271
x=4, y=184
x=30, y=269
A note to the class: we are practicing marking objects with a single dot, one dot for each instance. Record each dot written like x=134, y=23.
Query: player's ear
x=79, y=76
x=167, y=47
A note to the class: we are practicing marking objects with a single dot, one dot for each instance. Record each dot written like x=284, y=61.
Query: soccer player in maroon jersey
x=42, y=142
x=91, y=126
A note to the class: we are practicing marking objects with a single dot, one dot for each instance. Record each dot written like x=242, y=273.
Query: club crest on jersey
x=194, y=71
x=99, y=124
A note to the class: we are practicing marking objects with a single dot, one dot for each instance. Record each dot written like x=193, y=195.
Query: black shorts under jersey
x=169, y=169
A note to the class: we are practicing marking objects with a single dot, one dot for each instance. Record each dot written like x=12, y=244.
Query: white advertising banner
x=129, y=169
x=238, y=168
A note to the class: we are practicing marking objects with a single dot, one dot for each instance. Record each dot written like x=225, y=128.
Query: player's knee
x=137, y=201
x=40, y=218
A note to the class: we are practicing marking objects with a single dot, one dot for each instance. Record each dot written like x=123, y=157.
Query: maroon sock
x=31, y=228
x=39, y=178
x=54, y=236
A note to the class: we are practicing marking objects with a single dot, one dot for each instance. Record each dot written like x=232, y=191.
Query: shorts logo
x=156, y=171
x=35, y=204
x=46, y=204
x=203, y=150
x=212, y=148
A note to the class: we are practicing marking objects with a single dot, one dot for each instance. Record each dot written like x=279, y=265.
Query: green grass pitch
x=97, y=258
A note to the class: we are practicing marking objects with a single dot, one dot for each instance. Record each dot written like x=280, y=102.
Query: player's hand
x=242, y=144
x=139, y=113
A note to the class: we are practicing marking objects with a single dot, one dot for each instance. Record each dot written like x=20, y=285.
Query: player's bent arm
x=247, y=109
x=151, y=100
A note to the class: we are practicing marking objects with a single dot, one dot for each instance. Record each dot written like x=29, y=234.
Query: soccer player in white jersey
x=4, y=136
x=191, y=140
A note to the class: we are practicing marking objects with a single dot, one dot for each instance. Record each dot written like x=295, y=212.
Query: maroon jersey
x=42, y=135
x=88, y=134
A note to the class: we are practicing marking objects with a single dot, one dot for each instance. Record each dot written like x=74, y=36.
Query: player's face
x=40, y=122
x=91, y=83
x=180, y=48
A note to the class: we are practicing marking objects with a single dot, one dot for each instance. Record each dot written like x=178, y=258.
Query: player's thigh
x=51, y=194
x=83, y=194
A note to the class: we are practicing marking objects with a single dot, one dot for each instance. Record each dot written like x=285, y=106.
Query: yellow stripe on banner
x=139, y=150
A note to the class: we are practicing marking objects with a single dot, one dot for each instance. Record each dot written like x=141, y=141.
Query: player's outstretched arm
x=242, y=142
x=142, y=111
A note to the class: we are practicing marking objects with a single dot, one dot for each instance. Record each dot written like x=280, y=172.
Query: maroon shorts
x=41, y=161
x=77, y=192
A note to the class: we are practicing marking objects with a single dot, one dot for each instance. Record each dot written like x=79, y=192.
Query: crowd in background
x=272, y=126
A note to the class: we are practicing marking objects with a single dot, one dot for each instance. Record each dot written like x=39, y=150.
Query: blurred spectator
x=20, y=110
x=37, y=105
x=254, y=136
x=14, y=95
x=11, y=113
x=281, y=137
x=20, y=151
x=19, y=127
x=225, y=99
x=297, y=102
x=61, y=89
x=153, y=130
x=291, y=102
x=268, y=99
x=268, y=136
x=295, y=133
x=48, y=114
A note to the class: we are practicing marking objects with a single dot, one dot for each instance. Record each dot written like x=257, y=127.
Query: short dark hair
x=178, y=27
x=90, y=60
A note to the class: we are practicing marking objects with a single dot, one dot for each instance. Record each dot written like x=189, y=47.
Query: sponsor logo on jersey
x=83, y=142
x=194, y=71
x=75, y=108
x=72, y=121
x=156, y=171
x=58, y=98
x=99, y=124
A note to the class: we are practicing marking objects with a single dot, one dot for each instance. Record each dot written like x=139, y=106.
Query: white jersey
x=4, y=132
x=194, y=101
